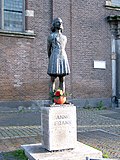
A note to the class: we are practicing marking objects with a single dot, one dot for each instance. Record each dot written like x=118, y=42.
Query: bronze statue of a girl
x=58, y=62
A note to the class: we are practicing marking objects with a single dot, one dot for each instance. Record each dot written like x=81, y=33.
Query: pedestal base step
x=81, y=151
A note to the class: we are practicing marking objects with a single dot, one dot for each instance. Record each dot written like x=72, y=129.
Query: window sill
x=113, y=7
x=17, y=34
x=113, y=18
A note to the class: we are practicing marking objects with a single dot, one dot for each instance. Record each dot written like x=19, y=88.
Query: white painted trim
x=29, y=31
x=29, y=13
x=108, y=3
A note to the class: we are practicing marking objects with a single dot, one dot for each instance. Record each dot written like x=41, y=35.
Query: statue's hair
x=53, y=25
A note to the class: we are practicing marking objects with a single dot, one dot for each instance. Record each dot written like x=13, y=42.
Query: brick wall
x=91, y=41
x=23, y=61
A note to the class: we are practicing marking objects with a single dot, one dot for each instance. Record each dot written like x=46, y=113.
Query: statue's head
x=57, y=24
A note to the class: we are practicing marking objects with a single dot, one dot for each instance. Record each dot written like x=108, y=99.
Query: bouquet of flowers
x=59, y=97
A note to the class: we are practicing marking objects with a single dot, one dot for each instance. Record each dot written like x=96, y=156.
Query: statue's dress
x=58, y=61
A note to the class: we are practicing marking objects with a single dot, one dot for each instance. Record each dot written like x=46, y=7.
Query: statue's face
x=58, y=24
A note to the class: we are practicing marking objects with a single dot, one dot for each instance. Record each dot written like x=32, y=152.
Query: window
x=12, y=15
x=115, y=2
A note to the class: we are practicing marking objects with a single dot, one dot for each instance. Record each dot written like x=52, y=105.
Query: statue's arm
x=49, y=45
x=65, y=40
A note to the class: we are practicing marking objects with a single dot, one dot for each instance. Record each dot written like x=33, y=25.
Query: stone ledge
x=17, y=34
x=112, y=7
x=81, y=151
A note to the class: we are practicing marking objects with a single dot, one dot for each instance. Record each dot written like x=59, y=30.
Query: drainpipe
x=113, y=59
x=114, y=21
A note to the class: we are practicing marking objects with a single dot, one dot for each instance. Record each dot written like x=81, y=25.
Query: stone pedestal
x=59, y=127
x=60, y=136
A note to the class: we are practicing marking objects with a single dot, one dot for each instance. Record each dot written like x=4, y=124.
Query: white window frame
x=2, y=17
x=110, y=3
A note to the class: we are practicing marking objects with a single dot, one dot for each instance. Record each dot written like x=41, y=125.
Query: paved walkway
x=97, y=128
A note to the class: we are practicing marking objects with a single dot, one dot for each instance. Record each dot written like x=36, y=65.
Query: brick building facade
x=23, y=55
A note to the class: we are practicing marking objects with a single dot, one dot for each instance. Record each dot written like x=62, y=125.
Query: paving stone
x=113, y=115
x=104, y=141
x=95, y=128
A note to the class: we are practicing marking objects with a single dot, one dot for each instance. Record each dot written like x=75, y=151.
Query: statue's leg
x=52, y=84
x=62, y=83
